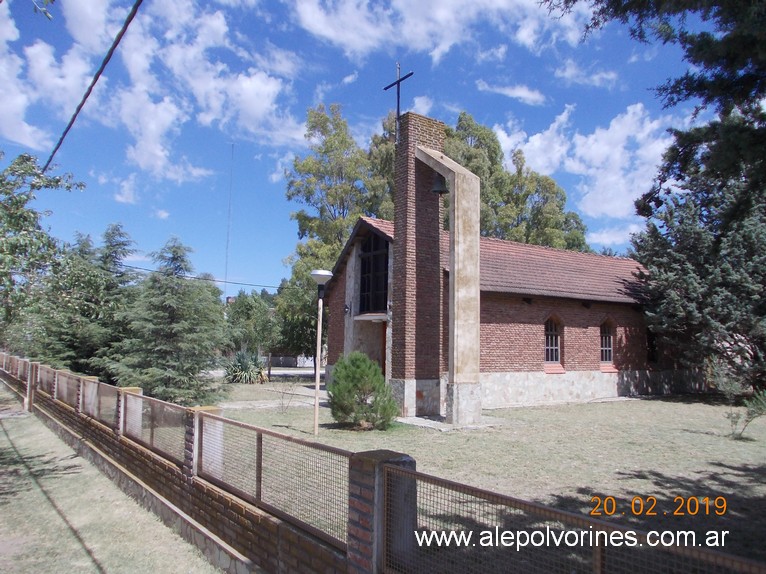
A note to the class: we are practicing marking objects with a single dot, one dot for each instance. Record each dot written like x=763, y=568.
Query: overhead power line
x=102, y=67
x=203, y=278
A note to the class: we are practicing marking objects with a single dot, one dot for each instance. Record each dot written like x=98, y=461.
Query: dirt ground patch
x=58, y=513
x=565, y=455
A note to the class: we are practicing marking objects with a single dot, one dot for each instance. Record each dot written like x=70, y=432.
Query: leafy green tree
x=72, y=300
x=706, y=281
x=120, y=292
x=252, y=323
x=336, y=182
x=26, y=248
x=521, y=205
x=297, y=299
x=70, y=319
x=330, y=179
x=382, y=156
x=704, y=241
x=176, y=330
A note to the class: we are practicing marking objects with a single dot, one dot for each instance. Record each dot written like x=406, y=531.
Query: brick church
x=554, y=325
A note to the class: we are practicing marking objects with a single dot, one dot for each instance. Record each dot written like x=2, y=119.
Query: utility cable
x=95, y=79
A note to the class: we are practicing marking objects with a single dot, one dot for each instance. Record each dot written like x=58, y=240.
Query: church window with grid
x=373, y=291
x=606, y=343
x=552, y=342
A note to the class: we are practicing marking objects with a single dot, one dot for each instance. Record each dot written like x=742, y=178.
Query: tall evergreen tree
x=704, y=242
x=176, y=328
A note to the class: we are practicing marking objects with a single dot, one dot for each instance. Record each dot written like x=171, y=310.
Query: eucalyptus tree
x=518, y=204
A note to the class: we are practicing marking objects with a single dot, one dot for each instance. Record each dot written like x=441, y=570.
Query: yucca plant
x=244, y=369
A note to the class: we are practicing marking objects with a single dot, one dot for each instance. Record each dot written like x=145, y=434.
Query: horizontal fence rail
x=555, y=541
x=302, y=482
x=156, y=424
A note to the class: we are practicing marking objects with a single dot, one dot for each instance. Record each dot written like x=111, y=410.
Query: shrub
x=734, y=389
x=244, y=369
x=359, y=394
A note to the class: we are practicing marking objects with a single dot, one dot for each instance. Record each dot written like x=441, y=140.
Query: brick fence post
x=366, y=508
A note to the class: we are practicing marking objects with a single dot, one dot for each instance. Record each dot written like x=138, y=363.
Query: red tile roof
x=532, y=270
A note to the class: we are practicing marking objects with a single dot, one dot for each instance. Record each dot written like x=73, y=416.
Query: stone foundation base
x=464, y=403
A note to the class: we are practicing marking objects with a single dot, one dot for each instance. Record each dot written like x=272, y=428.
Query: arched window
x=552, y=342
x=607, y=338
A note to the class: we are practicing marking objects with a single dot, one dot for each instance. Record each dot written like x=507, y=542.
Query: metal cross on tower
x=398, y=84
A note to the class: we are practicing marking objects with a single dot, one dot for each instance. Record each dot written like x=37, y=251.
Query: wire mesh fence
x=99, y=401
x=302, y=482
x=46, y=379
x=67, y=386
x=23, y=370
x=156, y=424
x=436, y=525
x=13, y=365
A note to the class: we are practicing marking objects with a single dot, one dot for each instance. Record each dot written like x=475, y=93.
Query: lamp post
x=321, y=276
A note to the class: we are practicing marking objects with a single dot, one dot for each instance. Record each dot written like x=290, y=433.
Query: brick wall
x=233, y=534
x=512, y=333
x=334, y=302
x=416, y=301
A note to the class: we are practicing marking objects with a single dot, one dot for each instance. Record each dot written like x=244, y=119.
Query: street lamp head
x=321, y=276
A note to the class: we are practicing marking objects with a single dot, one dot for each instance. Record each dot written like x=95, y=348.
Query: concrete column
x=207, y=443
x=463, y=387
x=129, y=421
x=29, y=399
x=367, y=534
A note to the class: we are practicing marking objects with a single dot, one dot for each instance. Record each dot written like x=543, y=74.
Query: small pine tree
x=359, y=394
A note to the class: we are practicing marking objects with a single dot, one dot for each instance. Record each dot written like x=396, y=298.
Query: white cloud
x=573, y=74
x=15, y=95
x=284, y=162
x=355, y=25
x=495, y=54
x=161, y=214
x=150, y=122
x=86, y=21
x=254, y=96
x=616, y=235
x=61, y=84
x=278, y=61
x=422, y=105
x=127, y=192
x=519, y=92
x=618, y=163
x=614, y=164
x=238, y=3
x=350, y=79
x=358, y=27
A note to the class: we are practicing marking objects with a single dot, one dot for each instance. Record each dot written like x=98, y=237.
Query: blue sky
x=204, y=101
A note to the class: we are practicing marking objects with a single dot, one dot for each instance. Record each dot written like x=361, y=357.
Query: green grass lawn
x=565, y=455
